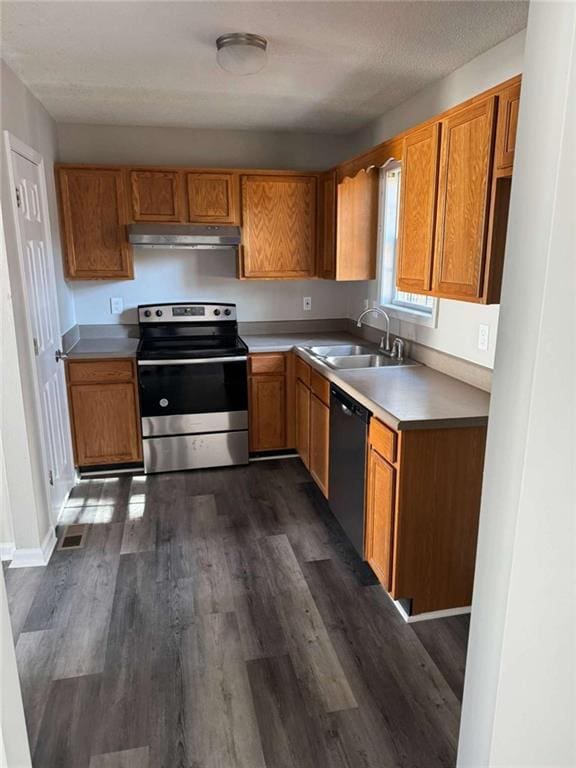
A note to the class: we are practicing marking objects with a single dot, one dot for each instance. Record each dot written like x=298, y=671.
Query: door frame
x=14, y=144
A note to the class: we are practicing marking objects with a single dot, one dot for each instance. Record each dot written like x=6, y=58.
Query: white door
x=36, y=259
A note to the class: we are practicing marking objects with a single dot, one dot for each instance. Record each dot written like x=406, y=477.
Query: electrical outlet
x=307, y=303
x=116, y=305
x=483, y=337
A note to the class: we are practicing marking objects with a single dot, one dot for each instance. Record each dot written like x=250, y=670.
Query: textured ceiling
x=333, y=66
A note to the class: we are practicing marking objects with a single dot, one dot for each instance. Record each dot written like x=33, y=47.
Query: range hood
x=193, y=236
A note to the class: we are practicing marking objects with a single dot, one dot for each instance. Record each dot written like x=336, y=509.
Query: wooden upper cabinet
x=508, y=106
x=463, y=201
x=327, y=246
x=418, y=195
x=380, y=507
x=156, y=195
x=213, y=198
x=93, y=219
x=279, y=226
x=357, y=226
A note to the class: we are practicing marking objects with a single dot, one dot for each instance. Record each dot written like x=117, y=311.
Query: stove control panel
x=186, y=313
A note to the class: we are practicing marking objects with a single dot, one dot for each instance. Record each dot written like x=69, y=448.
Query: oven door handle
x=195, y=361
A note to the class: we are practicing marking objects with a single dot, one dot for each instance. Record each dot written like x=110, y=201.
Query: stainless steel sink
x=341, y=350
x=356, y=356
x=366, y=361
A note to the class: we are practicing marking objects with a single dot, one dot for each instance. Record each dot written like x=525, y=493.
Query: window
x=411, y=307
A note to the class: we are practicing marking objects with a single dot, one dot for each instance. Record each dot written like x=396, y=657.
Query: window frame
x=386, y=270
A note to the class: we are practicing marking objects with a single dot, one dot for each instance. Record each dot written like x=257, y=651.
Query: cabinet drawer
x=267, y=363
x=320, y=386
x=303, y=371
x=383, y=439
x=99, y=371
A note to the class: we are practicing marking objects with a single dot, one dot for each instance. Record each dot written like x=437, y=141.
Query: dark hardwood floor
x=219, y=619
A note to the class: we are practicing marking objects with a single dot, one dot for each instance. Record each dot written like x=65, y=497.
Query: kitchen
x=263, y=361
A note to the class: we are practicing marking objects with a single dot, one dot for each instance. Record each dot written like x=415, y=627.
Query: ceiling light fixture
x=241, y=53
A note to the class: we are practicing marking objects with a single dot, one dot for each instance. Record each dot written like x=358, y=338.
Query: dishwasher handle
x=347, y=405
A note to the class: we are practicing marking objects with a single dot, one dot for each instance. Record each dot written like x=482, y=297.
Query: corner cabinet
x=104, y=411
x=357, y=226
x=278, y=226
x=93, y=218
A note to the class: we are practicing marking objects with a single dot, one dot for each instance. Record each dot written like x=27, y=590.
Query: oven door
x=193, y=396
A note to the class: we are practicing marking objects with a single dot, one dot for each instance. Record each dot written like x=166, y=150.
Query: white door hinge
x=18, y=198
x=36, y=346
x=50, y=477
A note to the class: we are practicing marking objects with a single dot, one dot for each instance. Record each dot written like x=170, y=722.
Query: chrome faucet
x=385, y=340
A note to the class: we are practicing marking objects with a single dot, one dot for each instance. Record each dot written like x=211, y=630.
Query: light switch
x=483, y=337
x=116, y=305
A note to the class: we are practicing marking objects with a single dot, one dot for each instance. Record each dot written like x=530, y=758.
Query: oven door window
x=199, y=388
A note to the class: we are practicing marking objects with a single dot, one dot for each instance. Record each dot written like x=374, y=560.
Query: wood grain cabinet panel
x=319, y=442
x=508, y=108
x=418, y=195
x=213, y=198
x=463, y=201
x=267, y=412
x=327, y=247
x=105, y=412
x=156, y=195
x=279, y=226
x=357, y=226
x=303, y=422
x=93, y=219
x=380, y=499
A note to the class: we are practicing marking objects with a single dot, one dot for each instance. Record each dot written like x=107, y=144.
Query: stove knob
x=227, y=312
x=216, y=312
x=158, y=313
x=147, y=313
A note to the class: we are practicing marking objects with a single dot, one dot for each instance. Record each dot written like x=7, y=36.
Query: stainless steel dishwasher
x=348, y=437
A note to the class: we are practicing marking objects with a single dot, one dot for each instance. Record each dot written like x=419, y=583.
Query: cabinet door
x=418, y=194
x=93, y=218
x=213, y=198
x=156, y=195
x=327, y=247
x=508, y=106
x=463, y=201
x=380, y=516
x=319, y=445
x=267, y=412
x=279, y=226
x=357, y=226
x=303, y=422
x=106, y=423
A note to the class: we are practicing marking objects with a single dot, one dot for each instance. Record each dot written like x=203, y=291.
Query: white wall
x=457, y=329
x=151, y=145
x=519, y=707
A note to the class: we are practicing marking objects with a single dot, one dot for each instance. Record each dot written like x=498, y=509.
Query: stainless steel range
x=193, y=386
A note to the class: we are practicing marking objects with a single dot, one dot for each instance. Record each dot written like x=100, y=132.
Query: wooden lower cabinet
x=319, y=442
x=313, y=422
x=379, y=528
x=422, y=508
x=270, y=379
x=105, y=417
x=303, y=422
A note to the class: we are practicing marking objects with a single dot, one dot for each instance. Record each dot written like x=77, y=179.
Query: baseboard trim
x=35, y=556
x=431, y=614
x=7, y=550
